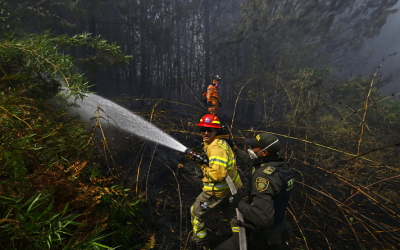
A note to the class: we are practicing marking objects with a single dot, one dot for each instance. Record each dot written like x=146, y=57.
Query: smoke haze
x=370, y=56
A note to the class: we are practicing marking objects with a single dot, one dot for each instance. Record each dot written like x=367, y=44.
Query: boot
x=205, y=246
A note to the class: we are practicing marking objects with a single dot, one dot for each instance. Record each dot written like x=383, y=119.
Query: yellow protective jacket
x=221, y=162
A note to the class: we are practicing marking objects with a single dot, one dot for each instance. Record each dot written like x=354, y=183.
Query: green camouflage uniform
x=265, y=185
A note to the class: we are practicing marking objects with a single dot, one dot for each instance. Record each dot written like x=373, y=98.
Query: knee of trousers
x=196, y=211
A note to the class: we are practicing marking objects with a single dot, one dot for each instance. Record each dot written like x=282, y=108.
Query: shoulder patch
x=269, y=170
x=262, y=184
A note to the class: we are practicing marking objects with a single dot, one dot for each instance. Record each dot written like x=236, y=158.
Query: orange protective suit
x=213, y=97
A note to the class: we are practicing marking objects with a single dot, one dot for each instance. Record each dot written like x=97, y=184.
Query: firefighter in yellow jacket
x=216, y=191
x=213, y=101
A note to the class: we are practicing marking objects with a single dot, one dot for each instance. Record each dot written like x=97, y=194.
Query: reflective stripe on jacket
x=221, y=162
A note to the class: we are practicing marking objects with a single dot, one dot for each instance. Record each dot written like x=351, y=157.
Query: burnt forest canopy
x=320, y=75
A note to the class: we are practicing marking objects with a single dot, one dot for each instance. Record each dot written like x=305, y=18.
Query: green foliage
x=39, y=60
x=33, y=222
x=348, y=99
x=33, y=225
x=150, y=244
x=116, y=200
x=107, y=54
x=8, y=18
x=46, y=180
x=52, y=194
x=50, y=14
x=45, y=138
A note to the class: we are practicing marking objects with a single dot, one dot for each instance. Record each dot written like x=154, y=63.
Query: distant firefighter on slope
x=213, y=101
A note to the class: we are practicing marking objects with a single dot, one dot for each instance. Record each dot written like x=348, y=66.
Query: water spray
x=124, y=119
x=133, y=124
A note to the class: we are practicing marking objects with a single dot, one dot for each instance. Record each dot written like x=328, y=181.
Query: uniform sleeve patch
x=269, y=170
x=262, y=184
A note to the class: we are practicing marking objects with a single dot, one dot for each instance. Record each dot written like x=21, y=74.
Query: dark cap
x=264, y=140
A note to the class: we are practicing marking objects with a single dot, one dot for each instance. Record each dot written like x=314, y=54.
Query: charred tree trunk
x=143, y=24
x=178, y=57
x=185, y=44
x=92, y=52
x=206, y=41
x=190, y=75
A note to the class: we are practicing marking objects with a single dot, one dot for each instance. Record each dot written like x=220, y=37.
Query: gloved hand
x=234, y=200
x=220, y=104
x=209, y=104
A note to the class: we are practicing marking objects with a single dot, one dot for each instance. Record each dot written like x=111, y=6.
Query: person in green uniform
x=271, y=184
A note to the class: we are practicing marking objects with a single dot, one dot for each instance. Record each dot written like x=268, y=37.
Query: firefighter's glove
x=209, y=104
x=234, y=200
x=220, y=104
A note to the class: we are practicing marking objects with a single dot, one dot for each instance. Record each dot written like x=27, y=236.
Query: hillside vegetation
x=53, y=195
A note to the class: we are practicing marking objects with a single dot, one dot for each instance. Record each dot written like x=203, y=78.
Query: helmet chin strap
x=268, y=146
x=254, y=155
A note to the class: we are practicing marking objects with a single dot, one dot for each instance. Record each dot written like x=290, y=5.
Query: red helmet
x=210, y=121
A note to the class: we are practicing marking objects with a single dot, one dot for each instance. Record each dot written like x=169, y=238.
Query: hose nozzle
x=202, y=158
